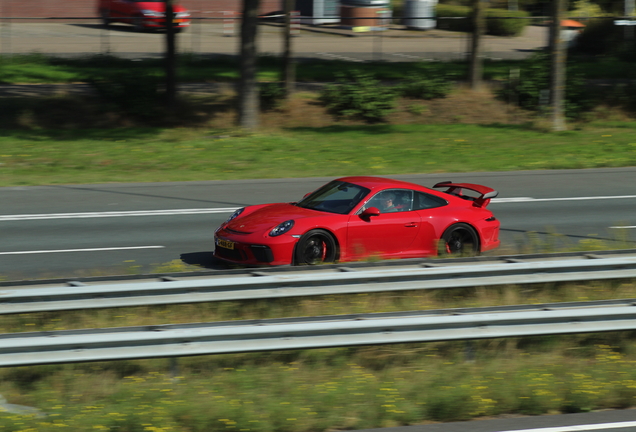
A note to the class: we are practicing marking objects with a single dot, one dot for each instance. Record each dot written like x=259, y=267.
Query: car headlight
x=182, y=15
x=151, y=13
x=281, y=228
x=234, y=215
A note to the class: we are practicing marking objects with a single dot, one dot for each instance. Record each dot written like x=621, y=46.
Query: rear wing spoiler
x=456, y=189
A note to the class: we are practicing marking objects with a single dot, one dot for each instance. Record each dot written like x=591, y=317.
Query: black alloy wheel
x=315, y=247
x=459, y=240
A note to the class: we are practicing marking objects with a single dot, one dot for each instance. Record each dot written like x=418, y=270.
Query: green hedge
x=495, y=27
x=601, y=37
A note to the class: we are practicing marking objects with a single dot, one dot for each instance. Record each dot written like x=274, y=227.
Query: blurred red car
x=354, y=218
x=143, y=14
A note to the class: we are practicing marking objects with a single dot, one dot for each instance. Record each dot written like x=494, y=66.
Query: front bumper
x=161, y=22
x=253, y=249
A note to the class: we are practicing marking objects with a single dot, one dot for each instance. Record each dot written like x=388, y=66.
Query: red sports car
x=143, y=14
x=355, y=218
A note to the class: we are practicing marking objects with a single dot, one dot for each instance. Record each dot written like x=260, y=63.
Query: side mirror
x=371, y=211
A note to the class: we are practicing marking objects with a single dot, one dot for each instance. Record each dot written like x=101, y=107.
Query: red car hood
x=266, y=218
x=159, y=6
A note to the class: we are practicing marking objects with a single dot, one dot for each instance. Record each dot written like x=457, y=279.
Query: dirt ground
x=461, y=106
x=68, y=111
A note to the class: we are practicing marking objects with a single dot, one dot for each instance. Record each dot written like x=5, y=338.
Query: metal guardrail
x=228, y=337
x=358, y=265
x=345, y=280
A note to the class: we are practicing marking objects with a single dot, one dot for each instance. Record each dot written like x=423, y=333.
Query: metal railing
x=160, y=341
x=329, y=281
x=208, y=35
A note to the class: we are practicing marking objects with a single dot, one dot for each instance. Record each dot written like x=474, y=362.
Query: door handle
x=411, y=225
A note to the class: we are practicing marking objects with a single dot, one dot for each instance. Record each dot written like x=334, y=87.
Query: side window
x=390, y=201
x=425, y=201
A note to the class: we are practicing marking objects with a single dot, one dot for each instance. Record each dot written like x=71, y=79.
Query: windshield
x=334, y=197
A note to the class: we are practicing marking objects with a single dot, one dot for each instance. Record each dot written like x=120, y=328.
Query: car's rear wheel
x=315, y=247
x=459, y=240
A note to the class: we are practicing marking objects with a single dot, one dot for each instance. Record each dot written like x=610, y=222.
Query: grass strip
x=305, y=395
x=44, y=69
x=328, y=389
x=39, y=157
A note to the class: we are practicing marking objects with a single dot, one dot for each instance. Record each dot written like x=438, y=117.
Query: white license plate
x=225, y=244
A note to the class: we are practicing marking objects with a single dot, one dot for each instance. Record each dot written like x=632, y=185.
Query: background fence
x=218, y=34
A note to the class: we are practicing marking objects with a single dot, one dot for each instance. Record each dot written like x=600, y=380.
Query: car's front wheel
x=315, y=247
x=459, y=240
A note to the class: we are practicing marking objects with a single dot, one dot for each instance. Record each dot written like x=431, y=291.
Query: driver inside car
x=385, y=202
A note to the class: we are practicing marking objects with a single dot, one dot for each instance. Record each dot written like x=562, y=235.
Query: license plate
x=225, y=244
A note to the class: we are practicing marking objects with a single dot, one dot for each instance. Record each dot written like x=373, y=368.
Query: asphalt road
x=612, y=421
x=65, y=231
x=40, y=226
x=217, y=38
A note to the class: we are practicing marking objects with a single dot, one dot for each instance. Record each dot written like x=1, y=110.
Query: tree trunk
x=171, y=75
x=558, y=53
x=476, y=52
x=248, y=87
x=289, y=67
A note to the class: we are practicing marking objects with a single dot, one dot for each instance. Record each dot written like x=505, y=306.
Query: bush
x=455, y=12
x=358, y=95
x=271, y=95
x=622, y=95
x=534, y=79
x=512, y=26
x=494, y=26
x=425, y=88
x=601, y=37
x=133, y=91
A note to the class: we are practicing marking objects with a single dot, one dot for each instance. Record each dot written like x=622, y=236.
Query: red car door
x=391, y=233
x=385, y=235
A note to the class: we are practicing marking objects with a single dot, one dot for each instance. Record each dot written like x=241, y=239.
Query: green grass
x=32, y=157
x=305, y=395
x=38, y=68
x=327, y=389
x=317, y=390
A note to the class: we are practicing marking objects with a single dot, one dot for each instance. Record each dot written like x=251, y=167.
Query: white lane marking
x=586, y=427
x=624, y=227
x=508, y=200
x=116, y=214
x=529, y=199
x=80, y=250
x=172, y=212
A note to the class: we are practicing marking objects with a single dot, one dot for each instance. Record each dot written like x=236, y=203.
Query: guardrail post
x=174, y=367
x=469, y=351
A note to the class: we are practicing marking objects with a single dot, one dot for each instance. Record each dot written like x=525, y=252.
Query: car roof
x=374, y=183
